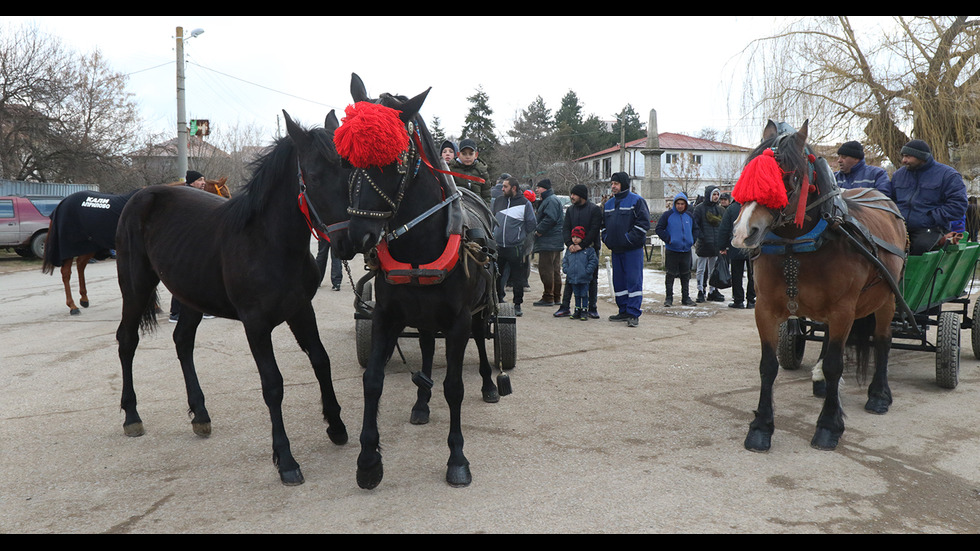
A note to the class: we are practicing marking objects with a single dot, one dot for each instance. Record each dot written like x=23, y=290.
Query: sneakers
x=716, y=296
x=750, y=304
x=517, y=310
x=622, y=316
x=669, y=302
x=687, y=301
x=543, y=303
x=633, y=321
x=736, y=305
x=594, y=314
x=562, y=312
x=700, y=296
x=173, y=318
x=577, y=314
x=336, y=287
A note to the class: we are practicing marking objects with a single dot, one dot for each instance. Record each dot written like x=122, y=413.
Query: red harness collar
x=400, y=273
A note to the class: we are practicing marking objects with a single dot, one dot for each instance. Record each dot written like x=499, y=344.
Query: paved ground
x=609, y=429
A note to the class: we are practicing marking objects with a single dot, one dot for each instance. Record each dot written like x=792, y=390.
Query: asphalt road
x=609, y=430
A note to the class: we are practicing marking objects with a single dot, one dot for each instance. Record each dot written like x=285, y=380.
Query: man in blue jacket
x=676, y=228
x=626, y=219
x=855, y=173
x=930, y=195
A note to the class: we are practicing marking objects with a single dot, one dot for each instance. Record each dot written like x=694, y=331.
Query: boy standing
x=579, y=264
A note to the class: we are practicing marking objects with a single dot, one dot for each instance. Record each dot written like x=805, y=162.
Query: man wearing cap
x=626, y=220
x=468, y=164
x=855, y=173
x=930, y=195
x=548, y=244
x=588, y=215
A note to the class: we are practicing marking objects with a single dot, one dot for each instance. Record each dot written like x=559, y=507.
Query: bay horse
x=814, y=262
x=83, y=228
x=245, y=258
x=409, y=220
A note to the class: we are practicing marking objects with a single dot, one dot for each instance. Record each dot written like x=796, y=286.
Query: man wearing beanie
x=854, y=173
x=626, y=219
x=548, y=243
x=194, y=179
x=588, y=215
x=930, y=195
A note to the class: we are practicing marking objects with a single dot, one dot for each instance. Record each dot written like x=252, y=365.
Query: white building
x=686, y=164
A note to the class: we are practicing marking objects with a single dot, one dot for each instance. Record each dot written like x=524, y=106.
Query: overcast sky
x=246, y=69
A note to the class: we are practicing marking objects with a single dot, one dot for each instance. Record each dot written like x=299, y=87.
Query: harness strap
x=392, y=235
x=431, y=273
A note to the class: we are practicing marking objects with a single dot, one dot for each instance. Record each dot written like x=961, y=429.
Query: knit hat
x=192, y=176
x=581, y=190
x=622, y=178
x=546, y=184
x=918, y=149
x=851, y=149
x=450, y=145
x=578, y=231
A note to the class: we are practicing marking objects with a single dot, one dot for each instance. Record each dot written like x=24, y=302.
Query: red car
x=24, y=224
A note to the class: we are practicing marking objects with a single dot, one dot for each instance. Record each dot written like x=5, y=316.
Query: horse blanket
x=84, y=223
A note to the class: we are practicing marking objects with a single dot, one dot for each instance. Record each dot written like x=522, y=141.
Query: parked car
x=24, y=223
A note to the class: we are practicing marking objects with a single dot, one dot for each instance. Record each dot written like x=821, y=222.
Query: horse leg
x=66, y=280
x=879, y=394
x=184, y=335
x=420, y=411
x=479, y=330
x=458, y=468
x=81, y=262
x=137, y=284
x=259, y=336
x=303, y=326
x=384, y=335
x=830, y=423
x=759, y=438
x=816, y=375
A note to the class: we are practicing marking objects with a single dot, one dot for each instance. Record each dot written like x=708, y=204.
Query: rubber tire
x=948, y=350
x=505, y=337
x=362, y=329
x=974, y=331
x=37, y=244
x=790, y=349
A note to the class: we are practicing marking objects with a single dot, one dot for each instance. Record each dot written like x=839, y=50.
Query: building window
x=670, y=158
x=606, y=168
x=697, y=159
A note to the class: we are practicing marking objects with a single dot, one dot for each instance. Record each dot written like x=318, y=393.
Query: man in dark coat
x=587, y=214
x=548, y=244
x=707, y=218
x=742, y=297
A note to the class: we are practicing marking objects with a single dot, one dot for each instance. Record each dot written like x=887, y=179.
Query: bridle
x=803, y=179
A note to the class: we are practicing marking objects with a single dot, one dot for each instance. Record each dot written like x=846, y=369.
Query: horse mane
x=275, y=160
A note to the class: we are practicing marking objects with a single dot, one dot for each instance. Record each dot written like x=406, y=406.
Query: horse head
x=322, y=177
x=774, y=185
x=379, y=139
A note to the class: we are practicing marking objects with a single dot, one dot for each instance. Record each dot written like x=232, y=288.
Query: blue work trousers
x=627, y=269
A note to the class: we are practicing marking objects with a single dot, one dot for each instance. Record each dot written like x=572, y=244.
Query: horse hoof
x=202, y=429
x=491, y=396
x=877, y=406
x=820, y=389
x=459, y=476
x=419, y=417
x=291, y=478
x=84, y=303
x=337, y=435
x=825, y=439
x=135, y=429
x=758, y=441
x=369, y=479
x=74, y=312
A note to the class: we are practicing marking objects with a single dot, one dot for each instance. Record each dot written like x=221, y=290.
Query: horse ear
x=803, y=133
x=357, y=90
x=297, y=134
x=412, y=106
x=331, y=123
x=770, y=130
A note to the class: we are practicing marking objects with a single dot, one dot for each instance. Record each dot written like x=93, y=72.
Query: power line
x=263, y=87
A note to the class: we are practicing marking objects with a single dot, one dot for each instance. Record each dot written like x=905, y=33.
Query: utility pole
x=181, y=117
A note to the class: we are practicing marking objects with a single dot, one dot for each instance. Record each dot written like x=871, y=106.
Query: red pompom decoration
x=761, y=181
x=371, y=135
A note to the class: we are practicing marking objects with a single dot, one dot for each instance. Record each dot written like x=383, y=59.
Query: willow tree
x=880, y=83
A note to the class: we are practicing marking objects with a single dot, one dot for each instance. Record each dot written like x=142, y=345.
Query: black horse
x=246, y=258
x=433, y=255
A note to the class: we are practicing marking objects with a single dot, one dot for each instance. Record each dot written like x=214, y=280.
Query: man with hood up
x=677, y=230
x=707, y=219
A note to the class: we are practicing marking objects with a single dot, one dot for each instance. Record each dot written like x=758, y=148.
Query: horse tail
x=148, y=320
x=861, y=340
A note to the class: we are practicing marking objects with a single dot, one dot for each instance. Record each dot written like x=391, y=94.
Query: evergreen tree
x=478, y=125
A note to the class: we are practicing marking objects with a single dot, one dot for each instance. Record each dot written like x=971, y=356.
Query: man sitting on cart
x=930, y=195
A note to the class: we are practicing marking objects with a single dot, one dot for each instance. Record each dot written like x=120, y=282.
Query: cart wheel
x=790, y=349
x=974, y=333
x=948, y=350
x=362, y=329
x=505, y=337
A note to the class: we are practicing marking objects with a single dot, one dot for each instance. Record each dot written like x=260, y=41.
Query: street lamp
x=181, y=117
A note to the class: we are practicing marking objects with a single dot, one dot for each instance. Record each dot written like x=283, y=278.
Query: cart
x=935, y=288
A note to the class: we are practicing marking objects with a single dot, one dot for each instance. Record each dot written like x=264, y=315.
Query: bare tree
x=918, y=77
x=684, y=175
